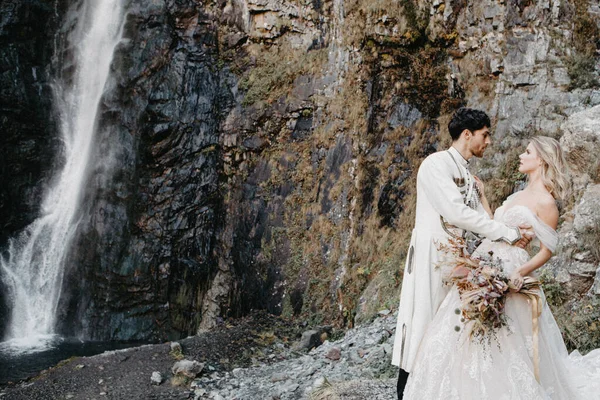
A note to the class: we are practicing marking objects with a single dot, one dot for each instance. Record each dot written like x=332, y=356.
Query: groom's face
x=479, y=140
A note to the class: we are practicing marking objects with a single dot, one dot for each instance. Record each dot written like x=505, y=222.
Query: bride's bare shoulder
x=547, y=210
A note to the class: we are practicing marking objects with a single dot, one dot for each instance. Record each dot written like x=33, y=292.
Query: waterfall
x=32, y=268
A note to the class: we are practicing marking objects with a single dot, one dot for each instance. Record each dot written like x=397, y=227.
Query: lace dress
x=450, y=366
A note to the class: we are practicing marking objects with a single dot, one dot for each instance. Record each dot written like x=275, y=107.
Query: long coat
x=439, y=194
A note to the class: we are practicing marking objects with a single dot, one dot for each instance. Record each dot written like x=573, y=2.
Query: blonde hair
x=554, y=170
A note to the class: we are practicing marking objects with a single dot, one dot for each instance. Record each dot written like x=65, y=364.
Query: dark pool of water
x=18, y=362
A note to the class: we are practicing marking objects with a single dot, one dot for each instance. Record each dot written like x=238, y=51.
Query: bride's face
x=529, y=160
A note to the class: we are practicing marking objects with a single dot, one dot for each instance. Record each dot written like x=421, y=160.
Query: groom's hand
x=526, y=236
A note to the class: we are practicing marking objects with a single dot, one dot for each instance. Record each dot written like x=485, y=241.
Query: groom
x=448, y=204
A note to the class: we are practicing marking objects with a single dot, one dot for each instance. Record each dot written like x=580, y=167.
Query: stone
x=595, y=289
x=237, y=372
x=187, y=368
x=288, y=388
x=334, y=354
x=387, y=348
x=561, y=76
x=587, y=212
x=156, y=378
x=254, y=143
x=196, y=383
x=581, y=142
x=403, y=115
x=309, y=340
x=215, y=396
x=176, y=348
x=496, y=66
x=279, y=377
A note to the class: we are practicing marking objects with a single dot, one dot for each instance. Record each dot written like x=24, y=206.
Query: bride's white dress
x=450, y=366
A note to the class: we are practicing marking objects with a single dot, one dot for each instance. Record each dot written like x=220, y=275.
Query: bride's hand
x=516, y=281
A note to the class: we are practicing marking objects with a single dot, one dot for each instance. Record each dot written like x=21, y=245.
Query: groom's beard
x=478, y=152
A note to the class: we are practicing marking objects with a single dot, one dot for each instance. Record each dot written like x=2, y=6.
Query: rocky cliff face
x=263, y=153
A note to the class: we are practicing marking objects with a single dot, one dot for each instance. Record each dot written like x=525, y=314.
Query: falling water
x=33, y=266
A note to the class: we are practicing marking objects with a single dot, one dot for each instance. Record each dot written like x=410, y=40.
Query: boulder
x=581, y=142
x=312, y=338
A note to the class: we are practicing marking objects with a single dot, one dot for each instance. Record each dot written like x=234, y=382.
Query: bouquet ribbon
x=533, y=296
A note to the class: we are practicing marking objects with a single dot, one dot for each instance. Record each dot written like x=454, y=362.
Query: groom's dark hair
x=467, y=118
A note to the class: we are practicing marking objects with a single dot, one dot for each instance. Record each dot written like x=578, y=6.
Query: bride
x=451, y=366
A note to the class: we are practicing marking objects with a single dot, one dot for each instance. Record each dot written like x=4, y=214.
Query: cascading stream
x=33, y=266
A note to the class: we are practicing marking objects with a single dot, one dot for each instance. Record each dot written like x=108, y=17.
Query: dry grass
x=326, y=391
x=275, y=70
x=177, y=353
x=589, y=239
x=378, y=252
x=581, y=66
x=374, y=257
x=180, y=381
x=349, y=106
x=578, y=320
x=362, y=15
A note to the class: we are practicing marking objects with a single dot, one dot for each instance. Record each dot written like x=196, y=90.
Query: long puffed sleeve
x=436, y=182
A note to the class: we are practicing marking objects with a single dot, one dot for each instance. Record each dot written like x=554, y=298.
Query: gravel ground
x=260, y=357
x=125, y=374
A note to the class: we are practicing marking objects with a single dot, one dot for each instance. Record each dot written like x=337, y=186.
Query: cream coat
x=422, y=288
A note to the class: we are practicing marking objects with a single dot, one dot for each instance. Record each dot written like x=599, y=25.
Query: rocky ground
x=259, y=357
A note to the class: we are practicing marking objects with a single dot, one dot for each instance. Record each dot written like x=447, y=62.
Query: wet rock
x=167, y=139
x=30, y=140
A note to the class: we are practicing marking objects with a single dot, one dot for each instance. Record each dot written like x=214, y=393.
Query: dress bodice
x=512, y=257
x=513, y=215
x=516, y=215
